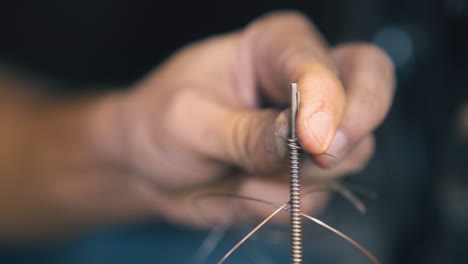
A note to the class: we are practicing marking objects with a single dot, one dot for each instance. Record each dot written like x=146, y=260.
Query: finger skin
x=368, y=78
x=248, y=140
x=207, y=206
x=321, y=109
x=285, y=48
x=354, y=162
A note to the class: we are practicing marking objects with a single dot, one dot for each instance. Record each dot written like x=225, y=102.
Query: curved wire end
x=329, y=154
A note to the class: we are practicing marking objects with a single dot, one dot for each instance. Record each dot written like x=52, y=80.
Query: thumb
x=254, y=140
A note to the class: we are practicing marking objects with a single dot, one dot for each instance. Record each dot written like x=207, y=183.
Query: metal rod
x=295, y=202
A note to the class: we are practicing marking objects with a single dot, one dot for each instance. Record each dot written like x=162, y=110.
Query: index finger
x=285, y=47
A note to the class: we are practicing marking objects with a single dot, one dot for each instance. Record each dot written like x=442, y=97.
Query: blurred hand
x=210, y=119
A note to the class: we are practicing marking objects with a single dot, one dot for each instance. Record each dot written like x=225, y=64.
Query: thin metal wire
x=209, y=244
x=283, y=207
x=294, y=183
x=252, y=232
x=294, y=202
x=347, y=238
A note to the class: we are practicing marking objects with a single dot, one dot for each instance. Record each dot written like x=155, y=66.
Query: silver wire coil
x=295, y=201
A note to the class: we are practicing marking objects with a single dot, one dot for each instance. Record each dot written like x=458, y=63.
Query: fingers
x=368, y=77
x=321, y=108
x=215, y=204
x=285, y=47
x=248, y=139
x=354, y=162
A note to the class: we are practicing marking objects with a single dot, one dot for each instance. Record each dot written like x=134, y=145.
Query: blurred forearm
x=53, y=177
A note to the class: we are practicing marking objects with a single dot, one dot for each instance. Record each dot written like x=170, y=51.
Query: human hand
x=210, y=120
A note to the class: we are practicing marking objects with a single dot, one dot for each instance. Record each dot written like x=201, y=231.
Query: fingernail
x=338, y=146
x=320, y=124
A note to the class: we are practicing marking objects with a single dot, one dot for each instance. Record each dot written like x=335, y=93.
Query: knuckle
x=365, y=51
x=320, y=76
x=371, y=51
x=278, y=22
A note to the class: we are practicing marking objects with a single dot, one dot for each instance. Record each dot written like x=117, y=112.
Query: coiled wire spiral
x=295, y=201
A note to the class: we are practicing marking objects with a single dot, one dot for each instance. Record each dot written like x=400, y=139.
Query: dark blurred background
x=420, y=169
